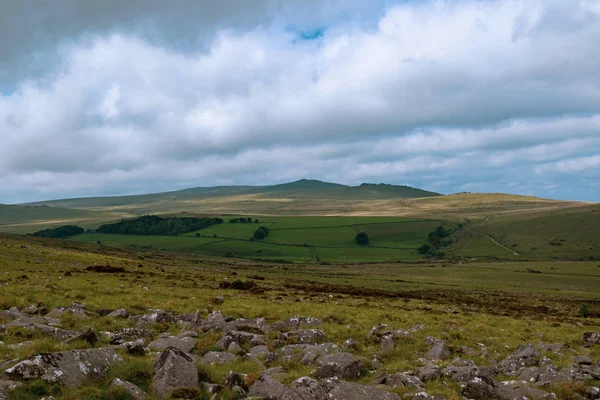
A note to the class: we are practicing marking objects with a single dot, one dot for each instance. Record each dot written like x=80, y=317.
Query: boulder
x=217, y=357
x=183, y=343
x=301, y=349
x=70, y=368
x=173, y=369
x=130, y=334
x=343, y=365
x=304, y=336
x=342, y=390
x=437, y=350
x=404, y=379
x=154, y=317
x=135, y=392
x=268, y=388
x=6, y=387
x=295, y=323
x=591, y=338
x=429, y=373
x=350, y=344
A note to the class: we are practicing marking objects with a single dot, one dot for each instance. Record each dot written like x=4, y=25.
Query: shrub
x=362, y=238
x=261, y=233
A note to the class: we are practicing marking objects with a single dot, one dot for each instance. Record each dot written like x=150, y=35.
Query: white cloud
x=436, y=94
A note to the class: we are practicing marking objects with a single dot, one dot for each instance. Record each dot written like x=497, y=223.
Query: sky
x=114, y=97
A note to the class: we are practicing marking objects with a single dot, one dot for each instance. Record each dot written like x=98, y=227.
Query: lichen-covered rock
x=130, y=334
x=70, y=368
x=217, y=357
x=342, y=365
x=304, y=336
x=173, y=369
x=295, y=323
x=183, y=343
x=404, y=379
x=437, y=350
x=591, y=338
x=119, y=313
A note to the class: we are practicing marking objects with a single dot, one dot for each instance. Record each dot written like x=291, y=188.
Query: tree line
x=154, y=225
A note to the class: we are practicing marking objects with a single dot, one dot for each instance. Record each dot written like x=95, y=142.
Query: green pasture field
x=295, y=239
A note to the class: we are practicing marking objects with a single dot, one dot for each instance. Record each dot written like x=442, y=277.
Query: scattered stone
x=130, y=334
x=135, y=392
x=405, y=379
x=268, y=388
x=173, y=369
x=343, y=365
x=155, y=317
x=135, y=348
x=429, y=373
x=183, y=343
x=70, y=368
x=591, y=338
x=234, y=379
x=438, y=349
x=6, y=387
x=350, y=345
x=304, y=336
x=218, y=300
x=217, y=357
x=88, y=336
x=295, y=323
x=583, y=360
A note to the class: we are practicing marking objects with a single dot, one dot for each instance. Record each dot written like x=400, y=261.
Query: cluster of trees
x=60, y=232
x=242, y=220
x=362, y=238
x=155, y=225
x=261, y=233
x=440, y=237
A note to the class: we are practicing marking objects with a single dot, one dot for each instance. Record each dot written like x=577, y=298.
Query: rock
x=343, y=365
x=309, y=389
x=6, y=387
x=211, y=388
x=524, y=356
x=350, y=344
x=70, y=368
x=583, y=360
x=295, y=323
x=234, y=348
x=304, y=336
x=185, y=343
x=155, y=317
x=267, y=388
x=217, y=357
x=239, y=337
x=56, y=333
x=10, y=314
x=318, y=349
x=429, y=373
x=404, y=379
x=119, y=313
x=423, y=396
x=234, y=379
x=387, y=342
x=530, y=374
x=135, y=348
x=261, y=352
x=257, y=325
x=88, y=336
x=26, y=321
x=591, y=338
x=173, y=369
x=130, y=334
x=556, y=348
x=482, y=388
x=438, y=349
x=135, y=392
x=218, y=300
x=533, y=393
x=342, y=390
x=461, y=371
x=551, y=376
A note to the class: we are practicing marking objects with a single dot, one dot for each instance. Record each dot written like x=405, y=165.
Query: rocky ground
x=186, y=349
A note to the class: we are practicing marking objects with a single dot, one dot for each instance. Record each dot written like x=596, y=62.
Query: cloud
x=442, y=95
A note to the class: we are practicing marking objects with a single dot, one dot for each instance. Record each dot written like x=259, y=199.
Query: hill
x=29, y=218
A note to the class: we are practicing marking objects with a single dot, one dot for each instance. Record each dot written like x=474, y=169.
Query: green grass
x=499, y=304
x=297, y=239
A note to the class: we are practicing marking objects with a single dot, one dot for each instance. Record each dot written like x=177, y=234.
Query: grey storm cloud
x=128, y=97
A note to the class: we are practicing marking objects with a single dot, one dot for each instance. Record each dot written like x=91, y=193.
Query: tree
x=362, y=238
x=426, y=248
x=261, y=233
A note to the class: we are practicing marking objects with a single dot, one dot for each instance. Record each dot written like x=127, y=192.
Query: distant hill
x=304, y=188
